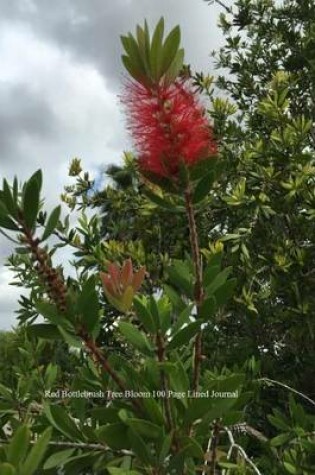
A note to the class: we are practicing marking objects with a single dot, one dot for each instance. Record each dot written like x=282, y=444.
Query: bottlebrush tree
x=154, y=406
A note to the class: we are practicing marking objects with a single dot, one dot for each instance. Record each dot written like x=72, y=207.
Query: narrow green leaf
x=58, y=459
x=52, y=222
x=8, y=223
x=19, y=445
x=156, y=50
x=49, y=311
x=208, y=308
x=144, y=315
x=37, y=453
x=158, y=200
x=38, y=177
x=184, y=335
x=153, y=411
x=44, y=330
x=8, y=199
x=140, y=448
x=114, y=435
x=281, y=439
x=175, y=68
x=134, y=54
x=225, y=292
x=132, y=70
x=170, y=49
x=144, y=428
x=31, y=202
x=88, y=304
x=7, y=469
x=60, y=419
x=210, y=272
x=136, y=338
x=203, y=188
x=219, y=280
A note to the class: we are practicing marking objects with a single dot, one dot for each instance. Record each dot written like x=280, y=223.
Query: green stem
x=198, y=291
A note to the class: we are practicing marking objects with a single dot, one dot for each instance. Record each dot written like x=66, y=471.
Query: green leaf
x=225, y=292
x=38, y=177
x=7, y=469
x=144, y=315
x=281, y=439
x=8, y=223
x=31, y=202
x=52, y=222
x=19, y=445
x=145, y=428
x=180, y=276
x=134, y=55
x=204, y=167
x=193, y=449
x=219, y=280
x=136, y=338
x=114, y=435
x=184, y=335
x=37, y=453
x=3, y=209
x=49, y=311
x=60, y=419
x=170, y=49
x=175, y=68
x=58, y=459
x=203, y=188
x=165, y=448
x=290, y=468
x=210, y=272
x=208, y=408
x=208, y=308
x=46, y=331
x=156, y=50
x=158, y=200
x=88, y=304
x=140, y=447
x=8, y=199
x=132, y=70
x=70, y=337
x=183, y=317
x=153, y=410
x=5, y=392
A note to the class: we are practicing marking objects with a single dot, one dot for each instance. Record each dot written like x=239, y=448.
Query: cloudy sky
x=59, y=80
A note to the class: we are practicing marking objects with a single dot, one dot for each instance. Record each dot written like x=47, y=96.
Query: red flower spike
x=168, y=126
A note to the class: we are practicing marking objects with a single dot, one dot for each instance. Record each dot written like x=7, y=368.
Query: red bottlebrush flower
x=168, y=126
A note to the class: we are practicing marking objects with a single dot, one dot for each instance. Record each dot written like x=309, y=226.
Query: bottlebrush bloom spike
x=168, y=126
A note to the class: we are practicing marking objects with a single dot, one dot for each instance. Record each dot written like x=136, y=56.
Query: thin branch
x=75, y=445
x=198, y=283
x=104, y=363
x=9, y=237
x=285, y=386
x=240, y=450
x=219, y=2
x=164, y=382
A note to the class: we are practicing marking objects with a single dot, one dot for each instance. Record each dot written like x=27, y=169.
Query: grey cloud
x=22, y=113
x=90, y=29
